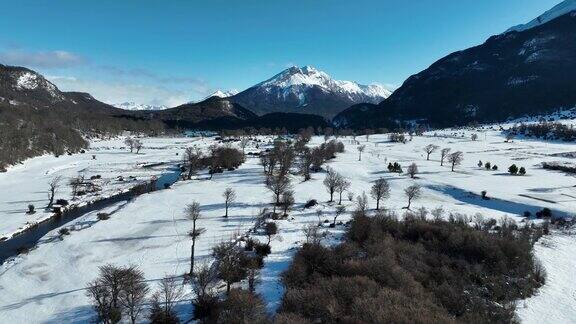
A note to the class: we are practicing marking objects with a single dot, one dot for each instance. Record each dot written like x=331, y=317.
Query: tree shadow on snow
x=504, y=206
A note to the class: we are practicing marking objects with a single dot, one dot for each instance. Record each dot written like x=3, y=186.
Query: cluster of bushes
x=224, y=158
x=413, y=271
x=546, y=130
x=559, y=167
x=514, y=170
x=488, y=166
x=395, y=167
x=397, y=138
x=220, y=158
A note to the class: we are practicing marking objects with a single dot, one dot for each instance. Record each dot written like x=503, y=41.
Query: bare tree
x=340, y=210
x=138, y=145
x=412, y=170
x=306, y=161
x=53, y=187
x=319, y=214
x=278, y=183
x=192, y=159
x=317, y=156
x=75, y=184
x=244, y=143
x=204, y=280
x=429, y=149
x=368, y=133
x=193, y=214
x=265, y=162
x=253, y=270
x=331, y=182
x=443, y=154
x=312, y=234
x=287, y=201
x=474, y=137
x=129, y=141
x=362, y=203
x=341, y=187
x=229, y=198
x=380, y=191
x=270, y=229
x=230, y=261
x=108, y=292
x=133, y=295
x=104, y=295
x=455, y=159
x=164, y=301
x=205, y=297
x=412, y=193
x=360, y=149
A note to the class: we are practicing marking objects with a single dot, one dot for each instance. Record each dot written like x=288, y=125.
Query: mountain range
x=528, y=70
x=307, y=90
x=131, y=105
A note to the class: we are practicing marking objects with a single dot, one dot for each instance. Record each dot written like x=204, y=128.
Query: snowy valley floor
x=48, y=284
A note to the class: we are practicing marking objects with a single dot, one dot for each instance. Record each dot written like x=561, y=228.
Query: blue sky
x=169, y=52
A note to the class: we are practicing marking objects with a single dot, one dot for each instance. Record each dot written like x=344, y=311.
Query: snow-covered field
x=28, y=183
x=48, y=283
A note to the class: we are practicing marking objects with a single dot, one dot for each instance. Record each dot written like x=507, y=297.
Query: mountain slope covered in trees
x=37, y=118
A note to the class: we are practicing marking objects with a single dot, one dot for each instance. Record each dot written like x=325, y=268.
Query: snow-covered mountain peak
x=560, y=9
x=308, y=76
x=222, y=94
x=307, y=89
x=131, y=105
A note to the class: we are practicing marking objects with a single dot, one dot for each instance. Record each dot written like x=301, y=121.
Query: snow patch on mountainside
x=32, y=81
x=130, y=105
x=28, y=81
x=559, y=10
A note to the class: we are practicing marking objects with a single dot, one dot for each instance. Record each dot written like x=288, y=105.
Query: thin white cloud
x=114, y=92
x=40, y=59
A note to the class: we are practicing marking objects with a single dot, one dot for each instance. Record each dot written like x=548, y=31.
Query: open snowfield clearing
x=28, y=183
x=48, y=284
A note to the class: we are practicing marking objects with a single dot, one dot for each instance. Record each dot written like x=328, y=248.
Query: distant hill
x=216, y=113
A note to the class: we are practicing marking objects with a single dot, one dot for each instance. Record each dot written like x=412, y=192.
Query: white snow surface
x=131, y=105
x=27, y=81
x=47, y=285
x=559, y=10
x=222, y=94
